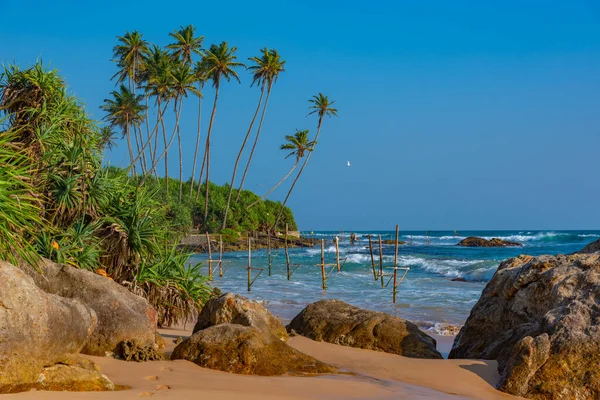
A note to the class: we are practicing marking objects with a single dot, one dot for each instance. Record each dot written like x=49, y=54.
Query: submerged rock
x=473, y=241
x=121, y=314
x=40, y=334
x=540, y=318
x=235, y=309
x=593, y=247
x=340, y=323
x=246, y=350
x=390, y=241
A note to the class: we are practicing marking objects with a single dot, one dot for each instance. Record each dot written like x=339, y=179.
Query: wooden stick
x=209, y=256
x=396, y=251
x=249, y=264
x=221, y=256
x=381, y=261
x=372, y=258
x=287, y=254
x=395, y=267
x=337, y=255
x=269, y=252
x=323, y=276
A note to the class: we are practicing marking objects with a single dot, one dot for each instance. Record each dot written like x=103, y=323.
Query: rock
x=539, y=317
x=131, y=350
x=37, y=329
x=340, y=323
x=246, y=350
x=593, y=247
x=179, y=340
x=481, y=242
x=159, y=342
x=83, y=376
x=390, y=241
x=236, y=309
x=459, y=280
x=121, y=314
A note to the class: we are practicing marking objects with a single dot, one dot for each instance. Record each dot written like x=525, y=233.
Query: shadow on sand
x=488, y=371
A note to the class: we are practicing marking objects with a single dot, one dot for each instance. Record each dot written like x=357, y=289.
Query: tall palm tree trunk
x=180, y=150
x=158, y=119
x=207, y=150
x=197, y=145
x=148, y=142
x=262, y=117
x=166, y=155
x=298, y=176
x=237, y=160
x=141, y=152
x=147, y=123
x=165, y=150
x=274, y=187
x=201, y=175
x=127, y=134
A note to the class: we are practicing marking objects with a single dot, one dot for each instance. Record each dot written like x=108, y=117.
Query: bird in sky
x=348, y=163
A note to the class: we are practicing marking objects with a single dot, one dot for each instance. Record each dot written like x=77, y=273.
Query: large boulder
x=340, y=323
x=38, y=331
x=540, y=318
x=246, y=350
x=235, y=309
x=473, y=241
x=593, y=247
x=121, y=314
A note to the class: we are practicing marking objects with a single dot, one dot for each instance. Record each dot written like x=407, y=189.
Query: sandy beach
x=366, y=374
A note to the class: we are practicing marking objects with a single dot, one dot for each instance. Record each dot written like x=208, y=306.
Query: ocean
x=427, y=296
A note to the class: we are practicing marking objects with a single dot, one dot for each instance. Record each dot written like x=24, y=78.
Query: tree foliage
x=58, y=201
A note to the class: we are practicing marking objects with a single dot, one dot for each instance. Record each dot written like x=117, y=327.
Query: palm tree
x=183, y=82
x=268, y=68
x=107, y=138
x=262, y=74
x=124, y=110
x=220, y=63
x=321, y=106
x=200, y=74
x=159, y=84
x=129, y=55
x=299, y=145
x=186, y=44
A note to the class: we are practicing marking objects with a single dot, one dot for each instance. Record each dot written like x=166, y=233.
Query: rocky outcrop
x=41, y=334
x=121, y=314
x=540, y=318
x=197, y=242
x=235, y=309
x=246, y=350
x=340, y=323
x=473, y=241
x=593, y=247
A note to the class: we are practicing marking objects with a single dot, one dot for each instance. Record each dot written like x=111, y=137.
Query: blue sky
x=453, y=114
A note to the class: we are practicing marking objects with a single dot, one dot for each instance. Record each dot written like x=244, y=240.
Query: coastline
x=197, y=243
x=367, y=374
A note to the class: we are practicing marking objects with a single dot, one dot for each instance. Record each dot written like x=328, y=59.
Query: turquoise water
x=428, y=296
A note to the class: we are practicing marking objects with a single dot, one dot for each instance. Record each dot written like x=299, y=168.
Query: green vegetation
x=59, y=201
x=155, y=80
